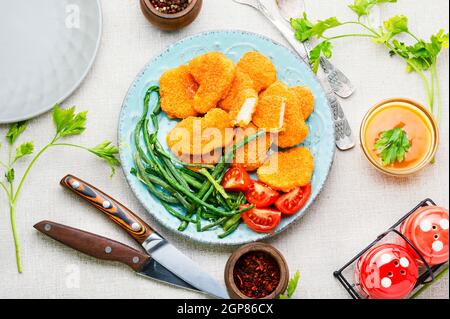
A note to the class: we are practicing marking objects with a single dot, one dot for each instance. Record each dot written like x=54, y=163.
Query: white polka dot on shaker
x=427, y=229
x=386, y=271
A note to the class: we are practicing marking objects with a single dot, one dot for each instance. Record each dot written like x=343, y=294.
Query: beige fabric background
x=357, y=203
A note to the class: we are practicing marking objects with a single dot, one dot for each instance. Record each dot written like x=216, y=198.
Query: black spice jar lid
x=271, y=251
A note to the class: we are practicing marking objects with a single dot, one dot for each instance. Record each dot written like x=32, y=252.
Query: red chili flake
x=256, y=274
x=170, y=6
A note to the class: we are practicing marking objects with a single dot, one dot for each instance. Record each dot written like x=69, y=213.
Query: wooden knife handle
x=93, y=245
x=121, y=215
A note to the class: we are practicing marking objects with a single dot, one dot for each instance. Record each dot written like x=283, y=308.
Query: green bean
x=193, y=174
x=231, y=230
x=191, y=180
x=159, y=149
x=176, y=214
x=222, y=201
x=198, y=219
x=150, y=186
x=216, y=223
x=231, y=222
x=213, y=182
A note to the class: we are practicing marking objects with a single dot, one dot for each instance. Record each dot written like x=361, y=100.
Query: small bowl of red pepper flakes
x=256, y=271
x=171, y=14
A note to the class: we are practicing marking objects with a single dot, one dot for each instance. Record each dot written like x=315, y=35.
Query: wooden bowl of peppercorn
x=171, y=14
x=256, y=271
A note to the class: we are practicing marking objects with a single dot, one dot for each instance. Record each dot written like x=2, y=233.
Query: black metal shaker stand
x=425, y=278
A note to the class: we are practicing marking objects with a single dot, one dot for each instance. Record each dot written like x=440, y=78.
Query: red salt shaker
x=427, y=229
x=386, y=271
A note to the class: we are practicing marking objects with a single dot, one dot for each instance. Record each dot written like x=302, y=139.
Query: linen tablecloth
x=356, y=204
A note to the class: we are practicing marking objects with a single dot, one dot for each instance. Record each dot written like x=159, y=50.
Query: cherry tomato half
x=236, y=179
x=261, y=220
x=261, y=195
x=290, y=203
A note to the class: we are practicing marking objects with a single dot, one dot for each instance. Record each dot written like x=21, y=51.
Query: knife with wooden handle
x=117, y=212
x=94, y=245
x=107, y=249
x=153, y=243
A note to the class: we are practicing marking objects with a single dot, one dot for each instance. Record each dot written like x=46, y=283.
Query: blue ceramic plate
x=291, y=70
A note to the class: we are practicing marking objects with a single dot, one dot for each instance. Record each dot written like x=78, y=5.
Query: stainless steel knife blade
x=182, y=266
x=156, y=271
x=155, y=245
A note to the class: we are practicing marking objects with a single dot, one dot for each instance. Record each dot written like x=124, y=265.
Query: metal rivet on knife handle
x=117, y=212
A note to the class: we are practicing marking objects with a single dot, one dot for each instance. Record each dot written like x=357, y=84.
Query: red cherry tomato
x=236, y=179
x=261, y=220
x=261, y=195
x=290, y=203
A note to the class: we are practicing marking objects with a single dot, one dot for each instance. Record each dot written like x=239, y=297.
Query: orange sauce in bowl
x=414, y=121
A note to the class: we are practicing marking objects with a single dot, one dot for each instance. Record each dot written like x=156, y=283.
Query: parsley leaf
x=305, y=29
x=10, y=175
x=108, y=152
x=393, y=146
x=24, y=150
x=397, y=24
x=292, y=286
x=67, y=122
x=325, y=48
x=321, y=26
x=14, y=131
x=394, y=26
x=363, y=7
x=302, y=27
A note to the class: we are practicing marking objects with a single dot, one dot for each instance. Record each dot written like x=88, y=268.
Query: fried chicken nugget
x=305, y=99
x=241, y=100
x=253, y=154
x=288, y=170
x=177, y=88
x=260, y=69
x=294, y=129
x=195, y=135
x=269, y=113
x=215, y=73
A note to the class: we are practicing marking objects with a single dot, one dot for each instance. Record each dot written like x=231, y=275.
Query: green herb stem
x=12, y=215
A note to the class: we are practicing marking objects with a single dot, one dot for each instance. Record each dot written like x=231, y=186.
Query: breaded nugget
x=285, y=171
x=194, y=135
x=241, y=100
x=269, y=113
x=294, y=129
x=214, y=72
x=260, y=69
x=306, y=100
x=253, y=154
x=178, y=88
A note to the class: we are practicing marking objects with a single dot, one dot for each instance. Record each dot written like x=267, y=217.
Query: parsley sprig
x=419, y=55
x=292, y=286
x=67, y=123
x=393, y=146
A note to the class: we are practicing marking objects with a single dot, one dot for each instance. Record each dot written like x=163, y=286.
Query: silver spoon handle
x=340, y=84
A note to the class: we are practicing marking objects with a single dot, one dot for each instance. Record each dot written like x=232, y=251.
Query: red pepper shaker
x=427, y=229
x=387, y=271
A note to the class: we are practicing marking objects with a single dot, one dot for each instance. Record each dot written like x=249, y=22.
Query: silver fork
x=339, y=82
x=343, y=134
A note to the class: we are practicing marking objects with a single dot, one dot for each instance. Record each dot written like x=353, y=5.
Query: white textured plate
x=46, y=49
x=291, y=70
